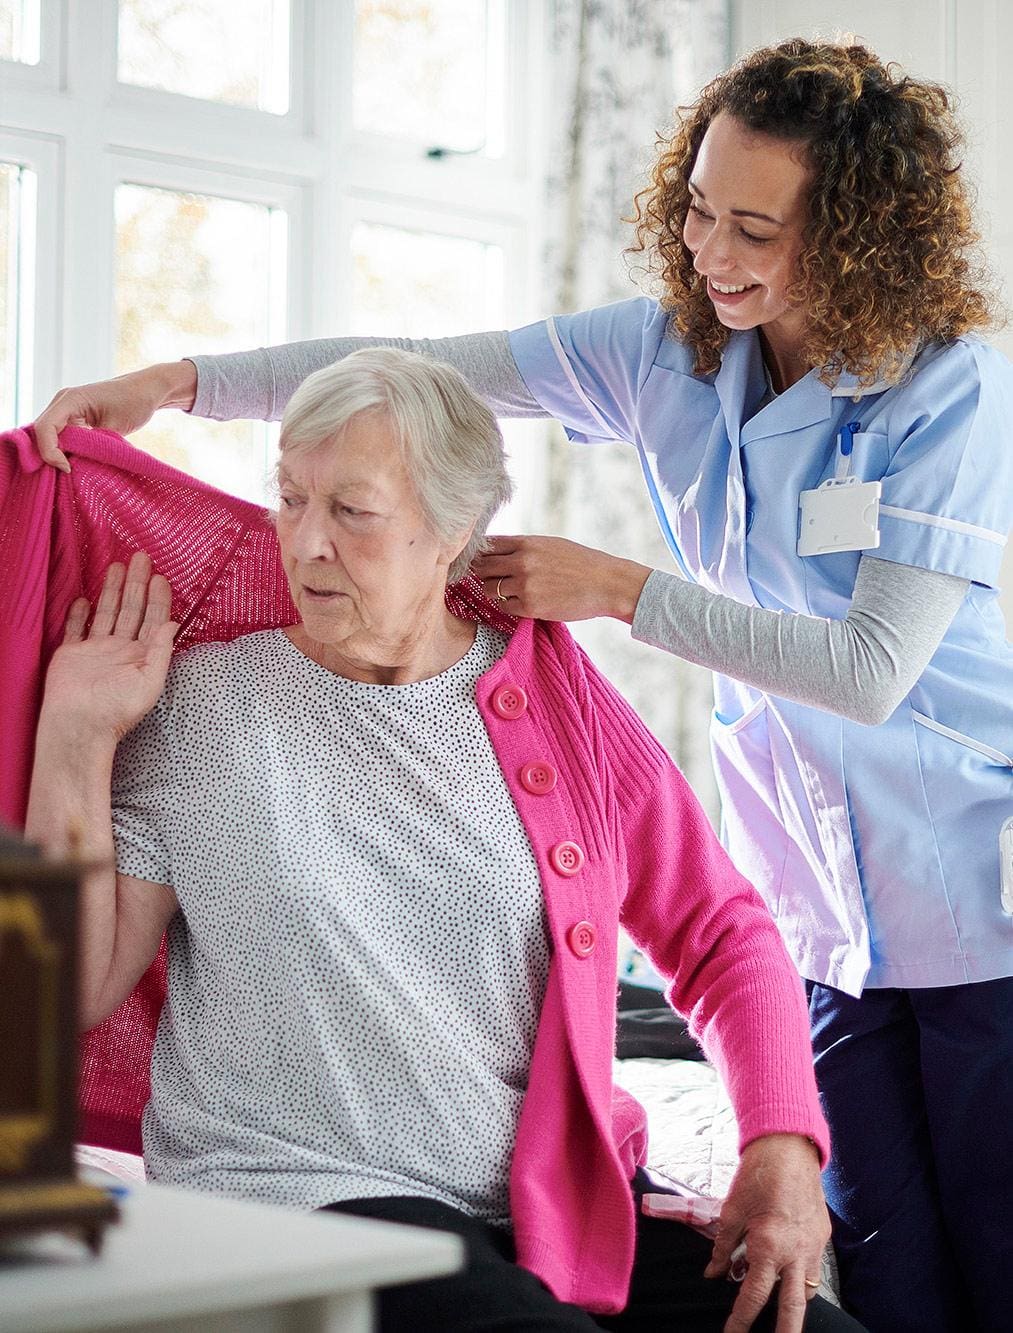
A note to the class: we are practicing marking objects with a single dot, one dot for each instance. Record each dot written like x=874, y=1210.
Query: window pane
x=421, y=284
x=233, y=51
x=444, y=58
x=17, y=266
x=19, y=31
x=198, y=274
x=8, y=292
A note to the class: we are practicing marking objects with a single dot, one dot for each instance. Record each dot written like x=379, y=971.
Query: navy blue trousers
x=917, y=1086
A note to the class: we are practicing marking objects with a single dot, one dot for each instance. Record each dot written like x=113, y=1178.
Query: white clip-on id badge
x=843, y=513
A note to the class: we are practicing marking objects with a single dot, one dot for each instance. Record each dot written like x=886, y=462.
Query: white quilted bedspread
x=693, y=1136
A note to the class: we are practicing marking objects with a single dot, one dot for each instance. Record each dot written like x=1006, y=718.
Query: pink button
x=509, y=701
x=581, y=939
x=566, y=858
x=538, y=778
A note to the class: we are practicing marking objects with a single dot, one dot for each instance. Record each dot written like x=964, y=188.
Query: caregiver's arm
x=99, y=683
x=859, y=667
x=257, y=384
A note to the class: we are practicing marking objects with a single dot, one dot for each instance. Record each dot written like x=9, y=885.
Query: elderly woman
x=392, y=845
x=826, y=441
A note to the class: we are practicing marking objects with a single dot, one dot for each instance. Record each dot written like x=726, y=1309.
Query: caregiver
x=827, y=445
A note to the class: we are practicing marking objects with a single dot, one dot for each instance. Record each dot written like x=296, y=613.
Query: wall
x=966, y=44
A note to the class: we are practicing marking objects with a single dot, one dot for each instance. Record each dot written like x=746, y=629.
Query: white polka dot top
x=358, y=967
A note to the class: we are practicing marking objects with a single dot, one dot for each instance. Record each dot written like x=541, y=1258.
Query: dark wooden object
x=39, y=1189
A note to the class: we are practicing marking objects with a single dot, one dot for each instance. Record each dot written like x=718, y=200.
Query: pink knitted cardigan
x=58, y=534
x=646, y=855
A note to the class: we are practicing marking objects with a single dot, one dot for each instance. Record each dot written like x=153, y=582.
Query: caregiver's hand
x=551, y=578
x=123, y=404
x=775, y=1204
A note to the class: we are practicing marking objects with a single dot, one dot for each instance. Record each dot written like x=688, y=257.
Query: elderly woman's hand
x=550, y=578
x=104, y=678
x=775, y=1204
x=123, y=404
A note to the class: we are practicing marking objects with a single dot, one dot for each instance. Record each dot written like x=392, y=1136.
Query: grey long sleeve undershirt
x=860, y=667
x=257, y=385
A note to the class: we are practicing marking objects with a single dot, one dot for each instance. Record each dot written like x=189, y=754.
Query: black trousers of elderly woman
x=492, y=1294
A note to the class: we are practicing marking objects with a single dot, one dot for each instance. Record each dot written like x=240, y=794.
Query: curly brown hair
x=889, y=252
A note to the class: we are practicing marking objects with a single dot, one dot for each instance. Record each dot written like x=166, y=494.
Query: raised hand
x=104, y=678
x=123, y=404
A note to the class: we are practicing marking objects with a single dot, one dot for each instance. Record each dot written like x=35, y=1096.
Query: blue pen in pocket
x=845, y=447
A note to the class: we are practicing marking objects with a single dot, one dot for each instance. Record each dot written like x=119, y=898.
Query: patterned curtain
x=618, y=69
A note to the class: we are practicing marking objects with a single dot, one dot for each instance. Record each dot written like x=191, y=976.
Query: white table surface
x=194, y=1262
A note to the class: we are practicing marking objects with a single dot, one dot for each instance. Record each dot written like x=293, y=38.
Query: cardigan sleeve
x=705, y=927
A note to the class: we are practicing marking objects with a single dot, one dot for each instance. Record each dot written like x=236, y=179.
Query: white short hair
x=449, y=440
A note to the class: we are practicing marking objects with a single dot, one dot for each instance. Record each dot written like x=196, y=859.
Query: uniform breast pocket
x=868, y=460
x=836, y=570
x=870, y=455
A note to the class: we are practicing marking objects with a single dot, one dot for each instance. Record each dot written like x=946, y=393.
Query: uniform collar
x=741, y=382
x=848, y=386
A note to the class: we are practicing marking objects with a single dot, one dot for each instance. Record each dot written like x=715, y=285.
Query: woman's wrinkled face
x=363, y=565
x=745, y=223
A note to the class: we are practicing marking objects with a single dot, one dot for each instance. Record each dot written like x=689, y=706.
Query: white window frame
x=158, y=103
x=405, y=215
x=187, y=178
x=48, y=72
x=38, y=319
x=82, y=131
x=371, y=147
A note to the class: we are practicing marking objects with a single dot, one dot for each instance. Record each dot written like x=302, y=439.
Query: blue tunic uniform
x=876, y=848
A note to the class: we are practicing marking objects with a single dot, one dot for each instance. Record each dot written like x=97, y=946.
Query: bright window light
x=196, y=274
x=445, y=58
x=231, y=51
x=20, y=31
x=422, y=283
x=18, y=197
